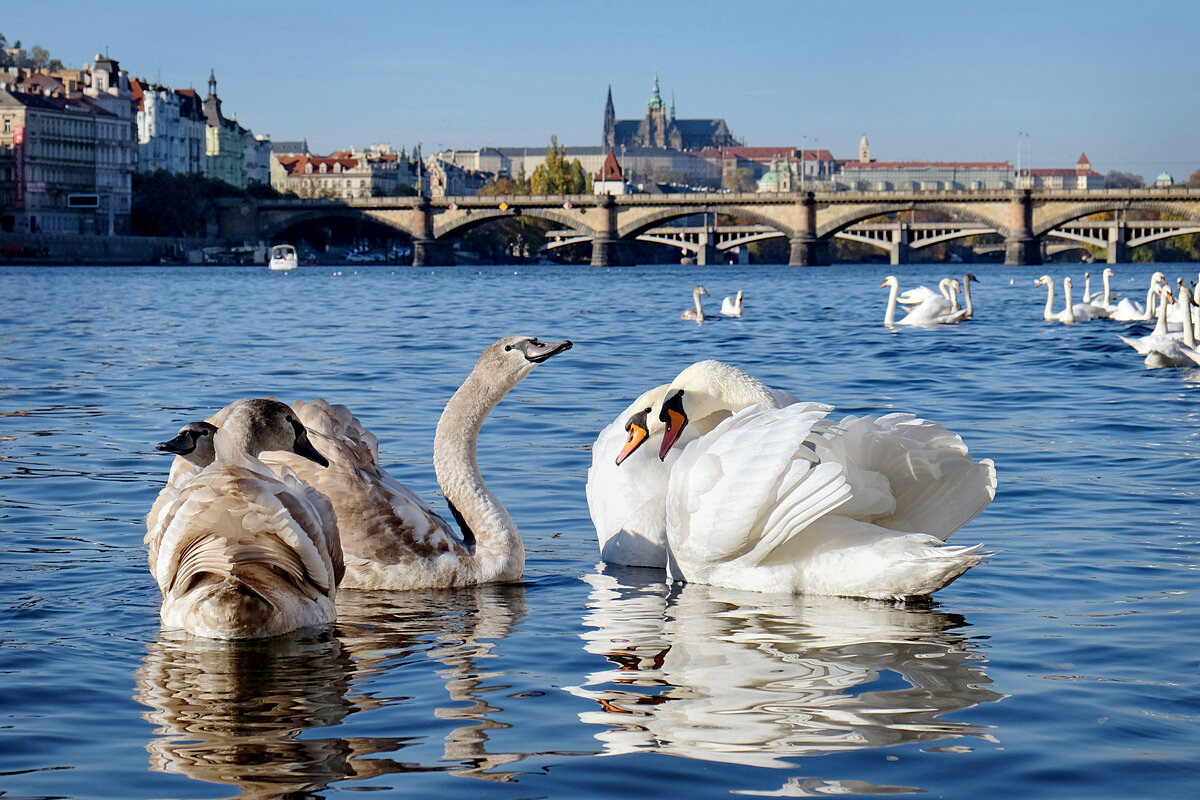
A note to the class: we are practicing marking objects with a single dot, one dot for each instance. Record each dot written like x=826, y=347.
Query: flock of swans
x=714, y=478
x=1171, y=344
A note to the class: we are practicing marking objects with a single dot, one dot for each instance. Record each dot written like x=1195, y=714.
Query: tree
x=39, y=58
x=1123, y=180
x=1194, y=180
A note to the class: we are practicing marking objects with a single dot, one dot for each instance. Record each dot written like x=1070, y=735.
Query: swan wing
x=747, y=487
x=1128, y=311
x=908, y=474
x=928, y=311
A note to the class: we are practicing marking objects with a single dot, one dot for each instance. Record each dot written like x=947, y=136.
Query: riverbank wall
x=44, y=248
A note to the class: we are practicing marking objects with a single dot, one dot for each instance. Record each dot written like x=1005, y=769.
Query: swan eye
x=507, y=347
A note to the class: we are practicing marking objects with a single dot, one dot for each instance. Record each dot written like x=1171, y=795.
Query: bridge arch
x=839, y=224
x=474, y=217
x=280, y=221
x=652, y=220
x=1082, y=210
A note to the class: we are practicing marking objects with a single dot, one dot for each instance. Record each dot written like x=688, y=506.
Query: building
x=171, y=129
x=106, y=86
x=344, y=174
x=50, y=147
x=443, y=178
x=1163, y=181
x=609, y=179
x=1082, y=176
x=801, y=166
x=660, y=130
x=924, y=175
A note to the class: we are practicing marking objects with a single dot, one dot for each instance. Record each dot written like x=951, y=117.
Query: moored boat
x=283, y=256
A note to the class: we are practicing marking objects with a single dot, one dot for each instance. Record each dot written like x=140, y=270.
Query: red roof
x=298, y=164
x=1083, y=159
x=786, y=154
x=611, y=171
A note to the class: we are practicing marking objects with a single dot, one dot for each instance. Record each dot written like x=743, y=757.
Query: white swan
x=732, y=307
x=775, y=500
x=769, y=502
x=1166, y=349
x=631, y=464
x=1072, y=312
x=393, y=540
x=239, y=552
x=696, y=313
x=935, y=310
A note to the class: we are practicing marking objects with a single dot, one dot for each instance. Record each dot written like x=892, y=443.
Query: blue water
x=1064, y=667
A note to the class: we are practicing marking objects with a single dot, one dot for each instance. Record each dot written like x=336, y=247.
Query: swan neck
x=484, y=521
x=889, y=316
x=1049, y=313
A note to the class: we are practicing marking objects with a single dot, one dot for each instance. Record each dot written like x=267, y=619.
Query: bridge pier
x=432, y=253
x=707, y=253
x=1118, y=250
x=1021, y=246
x=806, y=249
x=900, y=250
x=604, y=246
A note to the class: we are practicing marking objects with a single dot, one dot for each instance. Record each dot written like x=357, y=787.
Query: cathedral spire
x=656, y=101
x=610, y=122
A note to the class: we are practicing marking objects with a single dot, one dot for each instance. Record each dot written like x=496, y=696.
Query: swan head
x=890, y=281
x=507, y=361
x=193, y=443
x=969, y=278
x=1108, y=273
x=1045, y=280
x=261, y=424
x=643, y=422
x=703, y=395
x=700, y=290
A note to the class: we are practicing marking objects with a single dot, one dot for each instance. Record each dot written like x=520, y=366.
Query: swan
x=240, y=552
x=1168, y=350
x=1088, y=297
x=392, y=539
x=696, y=313
x=935, y=310
x=627, y=481
x=968, y=308
x=1144, y=344
x=731, y=307
x=782, y=500
x=1072, y=312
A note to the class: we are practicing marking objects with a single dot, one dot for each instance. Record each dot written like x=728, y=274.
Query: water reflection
x=748, y=678
x=251, y=714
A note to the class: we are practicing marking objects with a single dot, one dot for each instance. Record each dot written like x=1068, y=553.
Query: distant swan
x=1072, y=312
x=696, y=313
x=392, y=539
x=783, y=500
x=935, y=310
x=1162, y=349
x=239, y=552
x=731, y=307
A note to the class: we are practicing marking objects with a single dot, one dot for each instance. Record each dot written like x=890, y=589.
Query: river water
x=1066, y=666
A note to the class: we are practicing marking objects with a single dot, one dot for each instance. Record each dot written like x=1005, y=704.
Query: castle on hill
x=660, y=130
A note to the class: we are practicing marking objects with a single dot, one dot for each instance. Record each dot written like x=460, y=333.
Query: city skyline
x=925, y=81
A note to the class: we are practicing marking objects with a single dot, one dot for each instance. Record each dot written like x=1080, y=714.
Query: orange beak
x=675, y=424
x=637, y=435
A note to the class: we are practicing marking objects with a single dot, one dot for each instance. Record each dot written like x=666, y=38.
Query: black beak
x=181, y=445
x=537, y=352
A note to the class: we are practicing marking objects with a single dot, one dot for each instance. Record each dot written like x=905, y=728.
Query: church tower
x=656, y=119
x=864, y=151
x=610, y=122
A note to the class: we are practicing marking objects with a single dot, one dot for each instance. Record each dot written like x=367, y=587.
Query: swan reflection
x=255, y=714
x=748, y=678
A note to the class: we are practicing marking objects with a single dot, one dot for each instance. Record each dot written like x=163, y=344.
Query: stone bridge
x=809, y=220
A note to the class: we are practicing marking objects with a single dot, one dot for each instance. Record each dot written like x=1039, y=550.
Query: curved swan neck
x=485, y=522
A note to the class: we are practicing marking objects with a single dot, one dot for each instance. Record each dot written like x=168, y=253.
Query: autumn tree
x=1194, y=180
x=556, y=176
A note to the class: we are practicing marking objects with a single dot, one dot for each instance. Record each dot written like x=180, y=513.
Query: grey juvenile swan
x=391, y=539
x=238, y=551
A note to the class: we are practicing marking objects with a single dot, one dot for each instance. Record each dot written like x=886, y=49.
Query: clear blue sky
x=924, y=80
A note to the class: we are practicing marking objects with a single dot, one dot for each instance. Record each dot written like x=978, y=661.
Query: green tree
x=39, y=58
x=555, y=176
x=1123, y=180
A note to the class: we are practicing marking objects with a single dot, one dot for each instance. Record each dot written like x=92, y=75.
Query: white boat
x=283, y=256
